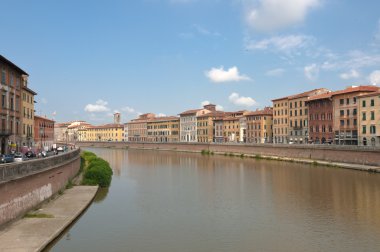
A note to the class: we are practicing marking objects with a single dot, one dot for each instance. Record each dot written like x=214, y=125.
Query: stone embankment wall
x=331, y=153
x=25, y=185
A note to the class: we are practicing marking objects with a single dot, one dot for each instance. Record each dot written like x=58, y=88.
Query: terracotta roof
x=282, y=98
x=357, y=89
x=163, y=118
x=188, y=112
x=305, y=94
x=29, y=90
x=321, y=96
x=265, y=111
x=2, y=58
x=369, y=94
x=43, y=118
x=213, y=114
x=105, y=126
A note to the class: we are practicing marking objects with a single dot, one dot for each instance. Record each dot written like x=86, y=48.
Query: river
x=172, y=201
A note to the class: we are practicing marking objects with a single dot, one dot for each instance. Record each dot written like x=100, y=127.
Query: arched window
x=373, y=141
x=364, y=141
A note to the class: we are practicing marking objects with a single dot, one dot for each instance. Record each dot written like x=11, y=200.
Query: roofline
x=13, y=64
x=29, y=90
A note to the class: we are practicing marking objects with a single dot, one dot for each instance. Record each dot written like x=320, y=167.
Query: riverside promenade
x=35, y=232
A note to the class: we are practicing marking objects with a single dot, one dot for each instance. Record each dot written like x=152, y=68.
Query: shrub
x=97, y=171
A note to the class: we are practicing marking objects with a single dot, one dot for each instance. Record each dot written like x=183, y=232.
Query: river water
x=172, y=201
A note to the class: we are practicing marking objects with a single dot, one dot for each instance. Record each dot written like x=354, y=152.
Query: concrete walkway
x=34, y=234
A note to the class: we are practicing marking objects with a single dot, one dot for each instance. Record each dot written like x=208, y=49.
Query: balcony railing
x=5, y=132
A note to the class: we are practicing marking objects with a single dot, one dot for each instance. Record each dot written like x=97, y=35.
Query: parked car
x=60, y=149
x=7, y=158
x=30, y=154
x=19, y=157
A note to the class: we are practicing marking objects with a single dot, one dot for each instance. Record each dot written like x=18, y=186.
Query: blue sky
x=87, y=59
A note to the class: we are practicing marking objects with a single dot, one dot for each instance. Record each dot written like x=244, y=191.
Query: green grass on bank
x=96, y=171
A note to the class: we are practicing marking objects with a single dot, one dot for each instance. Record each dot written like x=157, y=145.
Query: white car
x=19, y=157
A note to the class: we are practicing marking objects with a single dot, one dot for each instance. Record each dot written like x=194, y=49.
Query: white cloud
x=374, y=77
x=204, y=103
x=275, y=72
x=220, y=75
x=202, y=30
x=272, y=15
x=352, y=74
x=128, y=110
x=99, y=106
x=238, y=100
x=281, y=43
x=311, y=72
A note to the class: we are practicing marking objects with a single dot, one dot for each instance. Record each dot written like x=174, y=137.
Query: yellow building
x=205, y=126
x=231, y=128
x=369, y=119
x=27, y=104
x=163, y=129
x=280, y=120
x=260, y=126
x=107, y=132
x=138, y=128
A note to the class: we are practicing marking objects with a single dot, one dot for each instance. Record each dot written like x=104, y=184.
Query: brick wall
x=26, y=185
x=332, y=153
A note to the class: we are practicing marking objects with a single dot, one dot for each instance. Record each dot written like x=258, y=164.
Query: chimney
x=210, y=107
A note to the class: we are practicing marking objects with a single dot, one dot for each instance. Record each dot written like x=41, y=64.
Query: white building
x=188, y=123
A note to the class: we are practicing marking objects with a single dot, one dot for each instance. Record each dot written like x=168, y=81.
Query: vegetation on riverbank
x=96, y=171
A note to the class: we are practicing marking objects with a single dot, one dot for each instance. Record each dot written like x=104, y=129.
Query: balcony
x=5, y=132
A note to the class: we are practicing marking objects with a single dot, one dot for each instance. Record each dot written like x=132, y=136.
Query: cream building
x=369, y=119
x=188, y=124
x=27, y=110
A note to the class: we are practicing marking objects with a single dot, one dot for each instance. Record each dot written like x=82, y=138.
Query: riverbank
x=361, y=159
x=38, y=228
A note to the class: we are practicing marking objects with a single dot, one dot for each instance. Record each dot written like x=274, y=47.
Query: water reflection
x=171, y=201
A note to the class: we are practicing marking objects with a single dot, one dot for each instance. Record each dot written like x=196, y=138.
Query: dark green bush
x=97, y=171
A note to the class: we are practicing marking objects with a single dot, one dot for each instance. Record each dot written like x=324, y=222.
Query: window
x=342, y=113
x=363, y=104
x=355, y=122
x=348, y=112
x=372, y=129
x=305, y=111
x=372, y=115
x=295, y=112
x=364, y=116
x=341, y=101
x=347, y=101
x=364, y=130
x=372, y=102
x=354, y=112
x=300, y=112
x=354, y=100
x=341, y=122
x=3, y=101
x=3, y=74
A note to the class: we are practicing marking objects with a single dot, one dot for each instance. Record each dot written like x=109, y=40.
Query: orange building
x=43, y=132
x=259, y=126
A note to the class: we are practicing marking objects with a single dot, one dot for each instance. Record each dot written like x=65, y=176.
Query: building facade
x=43, y=132
x=163, y=129
x=27, y=108
x=105, y=133
x=260, y=126
x=138, y=128
x=346, y=113
x=299, y=115
x=11, y=78
x=280, y=120
x=321, y=119
x=188, y=124
x=369, y=119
